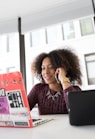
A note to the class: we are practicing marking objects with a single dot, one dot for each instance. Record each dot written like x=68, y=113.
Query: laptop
x=14, y=107
x=82, y=107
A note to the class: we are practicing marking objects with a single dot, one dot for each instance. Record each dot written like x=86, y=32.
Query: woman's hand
x=60, y=74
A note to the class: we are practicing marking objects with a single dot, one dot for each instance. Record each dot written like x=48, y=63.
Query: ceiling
x=37, y=13
x=13, y=8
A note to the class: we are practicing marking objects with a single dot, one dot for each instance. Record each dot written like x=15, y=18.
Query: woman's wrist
x=65, y=80
x=65, y=83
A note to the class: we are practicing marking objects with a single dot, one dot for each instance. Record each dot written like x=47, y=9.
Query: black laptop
x=82, y=107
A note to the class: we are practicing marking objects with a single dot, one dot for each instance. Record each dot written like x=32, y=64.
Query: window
x=54, y=33
x=3, y=44
x=37, y=37
x=9, y=56
x=90, y=66
x=69, y=31
x=86, y=26
x=0, y=71
x=12, y=42
x=11, y=69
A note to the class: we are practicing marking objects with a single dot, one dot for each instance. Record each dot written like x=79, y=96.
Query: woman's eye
x=43, y=68
x=51, y=67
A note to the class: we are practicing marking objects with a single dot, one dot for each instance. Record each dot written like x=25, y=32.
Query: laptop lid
x=82, y=107
x=14, y=107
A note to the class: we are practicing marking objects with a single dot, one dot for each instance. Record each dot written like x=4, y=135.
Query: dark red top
x=49, y=101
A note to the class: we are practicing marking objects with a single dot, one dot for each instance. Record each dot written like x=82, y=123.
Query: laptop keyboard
x=36, y=120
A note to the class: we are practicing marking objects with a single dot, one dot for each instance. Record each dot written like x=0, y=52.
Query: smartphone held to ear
x=57, y=79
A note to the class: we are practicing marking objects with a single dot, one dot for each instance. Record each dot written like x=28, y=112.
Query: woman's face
x=48, y=71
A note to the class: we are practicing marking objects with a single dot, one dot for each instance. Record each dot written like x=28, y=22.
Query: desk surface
x=59, y=128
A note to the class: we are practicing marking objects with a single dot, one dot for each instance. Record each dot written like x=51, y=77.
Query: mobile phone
x=56, y=76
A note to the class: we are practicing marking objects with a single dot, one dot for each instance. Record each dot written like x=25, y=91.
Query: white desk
x=59, y=128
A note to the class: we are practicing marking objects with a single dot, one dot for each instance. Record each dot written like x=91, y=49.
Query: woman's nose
x=46, y=70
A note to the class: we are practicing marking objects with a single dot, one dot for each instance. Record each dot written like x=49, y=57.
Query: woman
x=59, y=72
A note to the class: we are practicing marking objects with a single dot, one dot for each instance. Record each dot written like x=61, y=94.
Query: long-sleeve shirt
x=49, y=101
